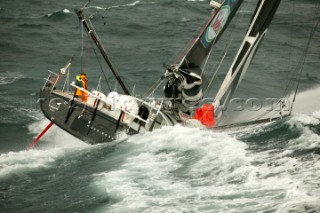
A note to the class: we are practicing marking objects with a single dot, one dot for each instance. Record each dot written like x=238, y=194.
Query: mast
x=88, y=26
x=258, y=27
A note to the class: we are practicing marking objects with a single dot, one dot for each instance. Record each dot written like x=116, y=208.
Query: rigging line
x=301, y=61
x=304, y=60
x=119, y=74
x=156, y=87
x=290, y=82
x=90, y=30
x=304, y=56
x=103, y=14
x=87, y=57
x=81, y=53
x=153, y=87
x=291, y=34
x=206, y=61
x=218, y=68
x=101, y=69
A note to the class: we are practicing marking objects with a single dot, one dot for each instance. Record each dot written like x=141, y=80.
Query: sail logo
x=215, y=26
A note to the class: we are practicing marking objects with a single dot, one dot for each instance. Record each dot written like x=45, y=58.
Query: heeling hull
x=102, y=128
x=90, y=125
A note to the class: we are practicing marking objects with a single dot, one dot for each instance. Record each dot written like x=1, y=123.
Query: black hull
x=79, y=119
x=89, y=124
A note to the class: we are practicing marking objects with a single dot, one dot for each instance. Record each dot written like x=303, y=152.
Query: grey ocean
x=265, y=168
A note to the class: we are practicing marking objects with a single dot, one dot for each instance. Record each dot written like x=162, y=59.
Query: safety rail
x=48, y=80
x=107, y=102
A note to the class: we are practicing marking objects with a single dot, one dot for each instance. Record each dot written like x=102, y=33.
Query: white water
x=24, y=161
x=54, y=137
x=308, y=101
x=178, y=169
x=183, y=169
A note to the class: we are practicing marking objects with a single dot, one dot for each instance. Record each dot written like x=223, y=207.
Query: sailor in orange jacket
x=82, y=82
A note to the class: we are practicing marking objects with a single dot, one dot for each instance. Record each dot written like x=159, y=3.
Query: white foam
x=54, y=137
x=308, y=139
x=98, y=8
x=316, y=114
x=299, y=120
x=31, y=113
x=66, y=11
x=133, y=3
x=307, y=102
x=53, y=144
x=25, y=161
x=116, y=6
x=146, y=178
x=179, y=169
x=10, y=77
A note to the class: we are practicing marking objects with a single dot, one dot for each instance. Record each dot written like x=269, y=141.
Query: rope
x=154, y=87
x=298, y=70
x=87, y=57
x=101, y=69
x=81, y=54
x=215, y=73
x=304, y=60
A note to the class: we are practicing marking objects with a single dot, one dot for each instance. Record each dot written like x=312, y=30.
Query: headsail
x=259, y=25
x=185, y=77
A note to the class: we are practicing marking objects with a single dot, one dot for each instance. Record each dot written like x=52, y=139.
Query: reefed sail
x=185, y=76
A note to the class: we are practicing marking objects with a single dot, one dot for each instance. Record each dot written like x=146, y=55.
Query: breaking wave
x=307, y=101
x=55, y=137
x=187, y=169
x=178, y=169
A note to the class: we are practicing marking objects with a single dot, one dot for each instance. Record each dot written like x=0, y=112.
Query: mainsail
x=258, y=27
x=185, y=77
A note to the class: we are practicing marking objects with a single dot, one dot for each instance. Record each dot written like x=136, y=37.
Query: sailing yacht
x=103, y=116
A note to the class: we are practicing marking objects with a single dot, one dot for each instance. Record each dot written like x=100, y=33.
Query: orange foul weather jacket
x=82, y=82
